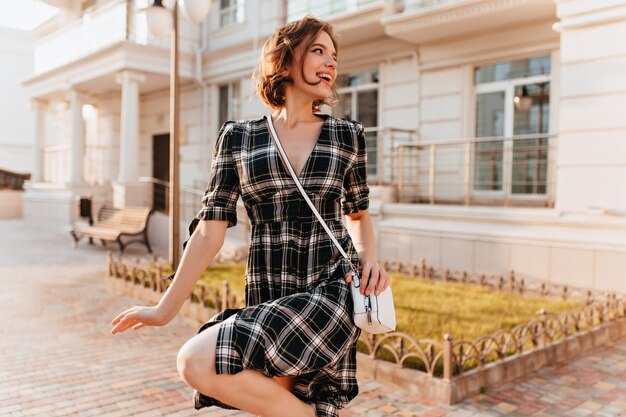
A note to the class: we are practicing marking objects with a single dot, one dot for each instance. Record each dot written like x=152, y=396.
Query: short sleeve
x=355, y=189
x=222, y=192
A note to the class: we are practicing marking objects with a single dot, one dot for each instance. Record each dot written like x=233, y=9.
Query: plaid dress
x=297, y=320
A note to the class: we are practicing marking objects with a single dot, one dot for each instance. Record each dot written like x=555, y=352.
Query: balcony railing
x=381, y=155
x=189, y=203
x=505, y=171
x=114, y=22
x=297, y=9
x=56, y=160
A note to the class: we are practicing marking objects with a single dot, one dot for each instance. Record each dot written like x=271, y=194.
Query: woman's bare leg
x=248, y=390
x=286, y=382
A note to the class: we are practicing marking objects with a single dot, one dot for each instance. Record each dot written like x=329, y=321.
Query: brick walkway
x=58, y=357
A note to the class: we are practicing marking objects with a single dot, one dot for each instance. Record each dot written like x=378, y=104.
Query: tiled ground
x=57, y=356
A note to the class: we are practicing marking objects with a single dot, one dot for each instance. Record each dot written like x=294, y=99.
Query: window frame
x=354, y=91
x=233, y=101
x=235, y=12
x=508, y=87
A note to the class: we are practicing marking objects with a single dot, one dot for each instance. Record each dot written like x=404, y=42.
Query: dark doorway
x=160, y=171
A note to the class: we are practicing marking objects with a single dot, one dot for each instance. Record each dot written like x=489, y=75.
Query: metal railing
x=488, y=170
x=158, y=197
x=56, y=160
x=95, y=163
x=113, y=22
x=516, y=170
x=381, y=153
x=190, y=202
x=297, y=9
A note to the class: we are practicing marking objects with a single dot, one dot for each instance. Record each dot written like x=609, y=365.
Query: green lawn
x=215, y=275
x=428, y=310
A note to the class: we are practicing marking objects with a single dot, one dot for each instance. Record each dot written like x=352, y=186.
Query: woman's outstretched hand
x=137, y=317
x=374, y=278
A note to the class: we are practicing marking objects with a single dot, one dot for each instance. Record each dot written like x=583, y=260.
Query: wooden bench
x=113, y=224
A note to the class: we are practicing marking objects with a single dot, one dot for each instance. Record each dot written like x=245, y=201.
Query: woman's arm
x=205, y=242
x=361, y=230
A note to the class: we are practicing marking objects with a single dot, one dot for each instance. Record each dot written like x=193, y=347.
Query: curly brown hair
x=279, y=52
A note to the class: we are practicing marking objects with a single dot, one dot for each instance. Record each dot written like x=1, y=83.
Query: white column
x=39, y=129
x=129, y=129
x=77, y=145
x=110, y=140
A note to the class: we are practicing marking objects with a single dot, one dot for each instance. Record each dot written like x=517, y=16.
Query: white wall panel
x=592, y=112
x=593, y=77
x=395, y=245
x=402, y=118
x=531, y=261
x=400, y=71
x=428, y=248
x=492, y=258
x=441, y=108
x=401, y=95
x=448, y=81
x=457, y=254
x=610, y=270
x=594, y=42
x=592, y=148
x=572, y=267
x=440, y=131
x=582, y=187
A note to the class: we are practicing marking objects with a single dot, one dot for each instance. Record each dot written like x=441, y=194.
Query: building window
x=229, y=102
x=358, y=100
x=297, y=9
x=512, y=101
x=231, y=12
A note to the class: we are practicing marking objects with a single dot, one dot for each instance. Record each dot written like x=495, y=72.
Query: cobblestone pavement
x=57, y=356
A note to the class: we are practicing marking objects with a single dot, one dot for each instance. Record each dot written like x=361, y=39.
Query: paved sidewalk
x=59, y=358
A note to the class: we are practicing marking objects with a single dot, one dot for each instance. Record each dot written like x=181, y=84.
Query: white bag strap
x=306, y=197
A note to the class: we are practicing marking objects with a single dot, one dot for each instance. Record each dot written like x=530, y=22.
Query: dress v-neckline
x=284, y=169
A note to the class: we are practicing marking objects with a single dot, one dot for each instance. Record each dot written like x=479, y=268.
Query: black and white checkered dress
x=297, y=320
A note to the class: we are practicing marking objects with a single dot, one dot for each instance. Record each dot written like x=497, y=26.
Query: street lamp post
x=174, y=225
x=196, y=11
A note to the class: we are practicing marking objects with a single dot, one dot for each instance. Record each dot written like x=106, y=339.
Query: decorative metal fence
x=447, y=359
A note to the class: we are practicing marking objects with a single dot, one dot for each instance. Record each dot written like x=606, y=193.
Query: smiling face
x=315, y=71
x=299, y=61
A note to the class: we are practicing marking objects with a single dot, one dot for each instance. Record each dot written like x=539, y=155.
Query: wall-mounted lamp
x=523, y=101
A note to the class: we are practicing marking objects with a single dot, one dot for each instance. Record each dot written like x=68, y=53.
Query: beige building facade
x=495, y=127
x=16, y=115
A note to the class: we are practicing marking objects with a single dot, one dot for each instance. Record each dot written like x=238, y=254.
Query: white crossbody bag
x=374, y=313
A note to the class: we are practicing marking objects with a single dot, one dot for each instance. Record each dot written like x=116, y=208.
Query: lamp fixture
x=195, y=10
x=159, y=18
x=523, y=101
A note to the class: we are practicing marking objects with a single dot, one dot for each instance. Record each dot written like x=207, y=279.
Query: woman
x=292, y=350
